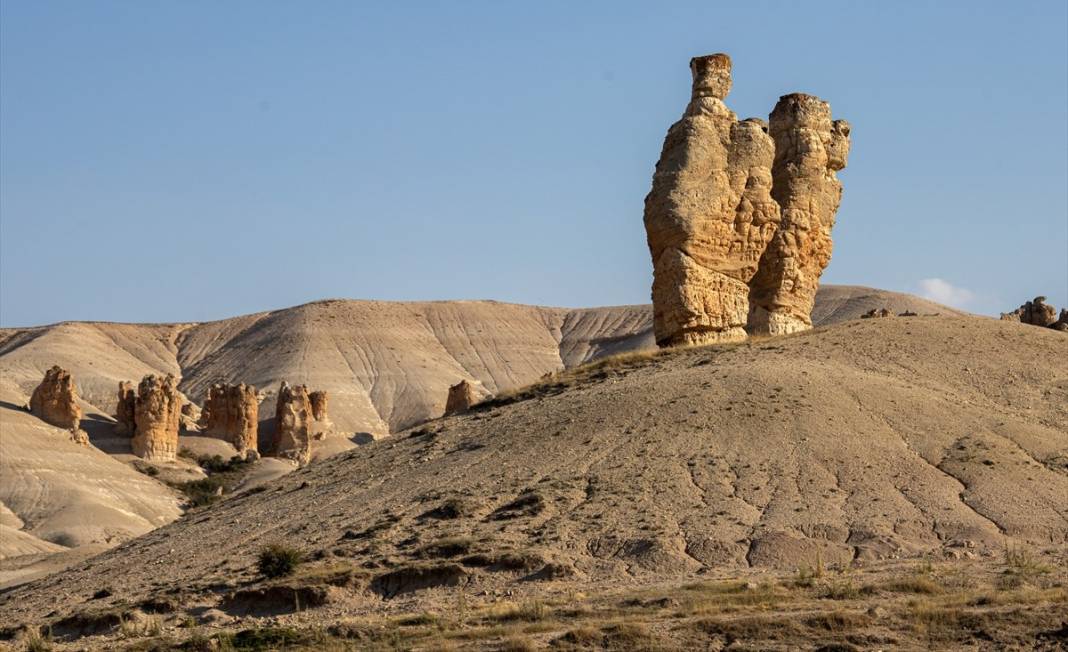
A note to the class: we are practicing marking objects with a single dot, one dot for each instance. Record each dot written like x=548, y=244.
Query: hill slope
x=387, y=365
x=860, y=441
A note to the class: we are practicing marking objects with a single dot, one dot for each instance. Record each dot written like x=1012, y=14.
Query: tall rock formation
x=231, y=412
x=710, y=214
x=319, y=400
x=124, y=409
x=157, y=411
x=55, y=401
x=810, y=148
x=300, y=416
x=461, y=397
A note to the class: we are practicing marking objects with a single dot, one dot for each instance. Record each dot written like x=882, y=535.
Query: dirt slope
x=387, y=365
x=56, y=496
x=861, y=441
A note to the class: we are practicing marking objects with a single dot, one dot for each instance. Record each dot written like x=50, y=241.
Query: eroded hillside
x=846, y=445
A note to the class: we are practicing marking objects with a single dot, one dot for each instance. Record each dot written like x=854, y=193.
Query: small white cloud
x=943, y=291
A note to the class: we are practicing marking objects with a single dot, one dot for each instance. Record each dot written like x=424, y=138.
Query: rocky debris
x=231, y=413
x=809, y=150
x=124, y=409
x=907, y=313
x=461, y=397
x=55, y=401
x=876, y=313
x=709, y=215
x=1035, y=312
x=157, y=412
x=295, y=421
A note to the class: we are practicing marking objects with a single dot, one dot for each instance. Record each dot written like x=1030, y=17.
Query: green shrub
x=277, y=560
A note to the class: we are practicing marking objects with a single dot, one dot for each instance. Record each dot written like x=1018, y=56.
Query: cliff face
x=709, y=215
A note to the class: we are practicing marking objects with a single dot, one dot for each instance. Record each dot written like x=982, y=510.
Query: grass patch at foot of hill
x=223, y=476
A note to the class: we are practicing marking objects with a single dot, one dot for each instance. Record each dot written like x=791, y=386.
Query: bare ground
x=852, y=448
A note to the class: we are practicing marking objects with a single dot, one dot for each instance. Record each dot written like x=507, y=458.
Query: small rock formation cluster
x=809, y=150
x=738, y=220
x=461, y=397
x=299, y=419
x=877, y=313
x=231, y=413
x=1038, y=313
x=157, y=411
x=55, y=401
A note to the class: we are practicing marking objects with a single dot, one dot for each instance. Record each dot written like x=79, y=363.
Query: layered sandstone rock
x=125, y=408
x=55, y=401
x=157, y=411
x=295, y=421
x=461, y=397
x=1035, y=312
x=231, y=413
x=810, y=148
x=709, y=215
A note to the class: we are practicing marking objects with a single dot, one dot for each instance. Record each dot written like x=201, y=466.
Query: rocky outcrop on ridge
x=810, y=148
x=231, y=413
x=1062, y=322
x=709, y=215
x=55, y=401
x=1036, y=313
x=157, y=411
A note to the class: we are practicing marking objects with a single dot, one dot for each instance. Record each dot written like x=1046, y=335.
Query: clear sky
x=181, y=161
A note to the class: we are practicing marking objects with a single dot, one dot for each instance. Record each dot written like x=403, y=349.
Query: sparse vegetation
x=277, y=560
x=140, y=627
x=223, y=476
x=35, y=641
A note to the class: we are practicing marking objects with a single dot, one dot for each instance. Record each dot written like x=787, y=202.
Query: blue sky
x=174, y=161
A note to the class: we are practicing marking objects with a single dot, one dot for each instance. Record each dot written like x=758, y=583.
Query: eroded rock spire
x=157, y=411
x=231, y=412
x=55, y=401
x=710, y=214
x=810, y=148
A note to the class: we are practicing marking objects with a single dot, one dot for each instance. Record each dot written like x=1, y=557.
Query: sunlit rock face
x=710, y=214
x=810, y=148
x=231, y=413
x=157, y=413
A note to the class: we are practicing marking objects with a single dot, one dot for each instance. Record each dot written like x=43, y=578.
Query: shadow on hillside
x=101, y=431
x=12, y=406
